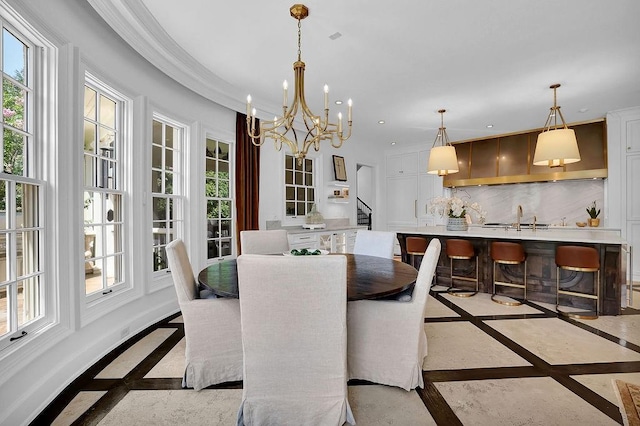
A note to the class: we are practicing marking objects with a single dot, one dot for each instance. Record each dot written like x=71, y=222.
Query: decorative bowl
x=581, y=224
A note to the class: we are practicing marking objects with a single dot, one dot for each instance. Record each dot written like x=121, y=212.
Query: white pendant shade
x=556, y=148
x=442, y=160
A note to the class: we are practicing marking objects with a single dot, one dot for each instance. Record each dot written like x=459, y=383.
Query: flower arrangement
x=593, y=212
x=456, y=207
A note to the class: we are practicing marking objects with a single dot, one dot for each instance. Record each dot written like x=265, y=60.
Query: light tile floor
x=488, y=364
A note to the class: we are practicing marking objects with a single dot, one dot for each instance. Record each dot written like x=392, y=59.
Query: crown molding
x=135, y=24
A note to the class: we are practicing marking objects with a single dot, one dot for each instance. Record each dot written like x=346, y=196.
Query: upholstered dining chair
x=211, y=327
x=375, y=243
x=387, y=340
x=294, y=339
x=273, y=241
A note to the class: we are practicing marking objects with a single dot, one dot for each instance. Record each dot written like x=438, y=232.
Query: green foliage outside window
x=13, y=101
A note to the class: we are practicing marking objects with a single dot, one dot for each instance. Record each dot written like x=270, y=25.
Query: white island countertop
x=329, y=229
x=576, y=235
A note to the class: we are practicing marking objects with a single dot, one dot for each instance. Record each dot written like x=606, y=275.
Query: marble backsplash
x=550, y=202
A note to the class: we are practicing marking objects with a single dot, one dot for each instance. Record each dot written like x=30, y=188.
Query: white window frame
x=123, y=161
x=318, y=165
x=231, y=198
x=41, y=130
x=178, y=186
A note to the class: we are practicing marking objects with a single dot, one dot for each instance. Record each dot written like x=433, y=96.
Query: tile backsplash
x=550, y=202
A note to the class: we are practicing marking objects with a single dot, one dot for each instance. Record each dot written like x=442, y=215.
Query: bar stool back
x=508, y=253
x=581, y=259
x=416, y=246
x=458, y=249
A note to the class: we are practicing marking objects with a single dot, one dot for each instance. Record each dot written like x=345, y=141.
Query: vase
x=457, y=224
x=594, y=222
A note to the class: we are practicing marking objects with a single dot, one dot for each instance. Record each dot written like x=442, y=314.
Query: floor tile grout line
x=99, y=409
x=560, y=373
x=610, y=337
x=153, y=358
x=437, y=405
x=599, y=403
x=85, y=380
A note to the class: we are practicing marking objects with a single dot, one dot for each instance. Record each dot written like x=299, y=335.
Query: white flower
x=455, y=207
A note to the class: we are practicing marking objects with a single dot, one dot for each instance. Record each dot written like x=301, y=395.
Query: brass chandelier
x=318, y=127
x=557, y=144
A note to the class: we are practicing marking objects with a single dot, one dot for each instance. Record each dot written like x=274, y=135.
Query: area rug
x=628, y=401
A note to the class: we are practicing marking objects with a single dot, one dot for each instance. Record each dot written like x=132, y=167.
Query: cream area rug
x=628, y=401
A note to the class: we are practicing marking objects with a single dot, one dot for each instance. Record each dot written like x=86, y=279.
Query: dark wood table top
x=368, y=277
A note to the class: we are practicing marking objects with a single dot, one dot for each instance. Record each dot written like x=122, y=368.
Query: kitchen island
x=540, y=246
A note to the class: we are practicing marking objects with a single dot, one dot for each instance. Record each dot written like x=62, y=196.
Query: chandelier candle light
x=442, y=159
x=281, y=130
x=557, y=144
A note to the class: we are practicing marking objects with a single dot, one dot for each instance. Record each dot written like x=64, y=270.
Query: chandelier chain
x=299, y=39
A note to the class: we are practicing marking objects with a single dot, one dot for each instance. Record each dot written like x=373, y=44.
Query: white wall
x=354, y=152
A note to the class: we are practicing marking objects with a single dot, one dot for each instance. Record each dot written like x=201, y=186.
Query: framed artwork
x=339, y=170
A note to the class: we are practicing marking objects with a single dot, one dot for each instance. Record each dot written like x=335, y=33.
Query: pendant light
x=442, y=157
x=557, y=144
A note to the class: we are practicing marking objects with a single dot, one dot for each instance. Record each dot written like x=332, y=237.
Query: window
x=299, y=186
x=22, y=289
x=103, y=190
x=220, y=227
x=166, y=144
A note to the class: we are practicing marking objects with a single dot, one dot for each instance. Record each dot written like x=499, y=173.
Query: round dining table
x=368, y=277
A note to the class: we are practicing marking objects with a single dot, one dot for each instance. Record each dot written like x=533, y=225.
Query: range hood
x=509, y=158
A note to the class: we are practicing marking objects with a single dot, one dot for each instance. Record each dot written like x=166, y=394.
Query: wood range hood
x=508, y=158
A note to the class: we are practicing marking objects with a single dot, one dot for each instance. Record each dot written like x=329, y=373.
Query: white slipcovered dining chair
x=294, y=338
x=211, y=327
x=273, y=241
x=387, y=340
x=375, y=243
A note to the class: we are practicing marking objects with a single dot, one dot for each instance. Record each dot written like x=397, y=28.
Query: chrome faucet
x=518, y=217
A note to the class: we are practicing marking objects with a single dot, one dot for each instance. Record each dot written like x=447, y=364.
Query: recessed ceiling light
x=393, y=143
x=380, y=121
x=489, y=126
x=583, y=110
x=338, y=102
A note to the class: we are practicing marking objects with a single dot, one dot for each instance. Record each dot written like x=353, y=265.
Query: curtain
x=247, y=178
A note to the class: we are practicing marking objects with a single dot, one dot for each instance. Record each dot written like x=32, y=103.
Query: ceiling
x=486, y=63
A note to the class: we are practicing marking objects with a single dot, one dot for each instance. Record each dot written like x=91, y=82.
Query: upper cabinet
x=402, y=164
x=508, y=158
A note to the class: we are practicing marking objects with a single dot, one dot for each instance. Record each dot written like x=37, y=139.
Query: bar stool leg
x=579, y=314
x=452, y=290
x=515, y=301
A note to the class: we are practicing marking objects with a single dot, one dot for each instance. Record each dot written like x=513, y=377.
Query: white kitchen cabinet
x=623, y=136
x=338, y=242
x=402, y=164
x=633, y=136
x=408, y=196
x=402, y=200
x=334, y=241
x=309, y=241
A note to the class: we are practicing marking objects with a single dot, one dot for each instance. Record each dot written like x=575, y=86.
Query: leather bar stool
x=416, y=246
x=507, y=253
x=580, y=259
x=457, y=249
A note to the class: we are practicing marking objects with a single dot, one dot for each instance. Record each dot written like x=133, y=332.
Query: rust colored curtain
x=247, y=178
